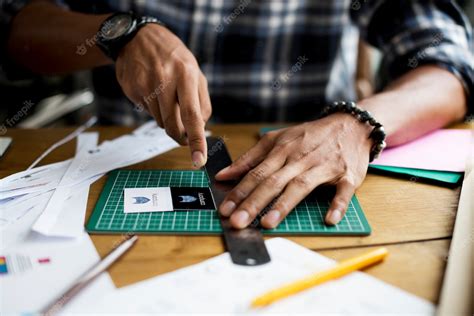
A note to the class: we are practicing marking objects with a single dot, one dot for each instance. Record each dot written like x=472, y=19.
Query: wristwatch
x=119, y=29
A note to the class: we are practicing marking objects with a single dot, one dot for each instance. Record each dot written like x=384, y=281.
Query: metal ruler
x=246, y=246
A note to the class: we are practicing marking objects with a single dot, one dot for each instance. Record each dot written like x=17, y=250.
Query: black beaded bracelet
x=378, y=133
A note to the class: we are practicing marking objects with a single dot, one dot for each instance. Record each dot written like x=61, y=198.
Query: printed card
x=141, y=200
x=192, y=198
x=166, y=199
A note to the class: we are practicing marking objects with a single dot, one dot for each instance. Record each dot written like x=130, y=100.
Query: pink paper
x=444, y=150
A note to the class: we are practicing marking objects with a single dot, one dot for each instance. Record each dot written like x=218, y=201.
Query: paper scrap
x=16, y=221
x=88, y=165
x=20, y=212
x=71, y=216
x=119, y=152
x=35, y=180
x=47, y=223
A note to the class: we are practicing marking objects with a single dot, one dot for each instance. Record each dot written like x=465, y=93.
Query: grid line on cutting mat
x=108, y=215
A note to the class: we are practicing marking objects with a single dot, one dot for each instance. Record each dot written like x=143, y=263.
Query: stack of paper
x=439, y=156
x=38, y=267
x=219, y=286
x=26, y=195
x=41, y=206
x=67, y=182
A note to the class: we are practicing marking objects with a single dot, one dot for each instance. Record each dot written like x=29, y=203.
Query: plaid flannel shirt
x=283, y=60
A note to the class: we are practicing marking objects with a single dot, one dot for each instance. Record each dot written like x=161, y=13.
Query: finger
x=247, y=161
x=149, y=99
x=298, y=188
x=154, y=110
x=151, y=104
x=264, y=194
x=205, y=100
x=254, y=177
x=171, y=115
x=173, y=124
x=344, y=191
x=193, y=123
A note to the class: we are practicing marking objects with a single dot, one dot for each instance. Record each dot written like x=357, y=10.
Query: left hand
x=291, y=162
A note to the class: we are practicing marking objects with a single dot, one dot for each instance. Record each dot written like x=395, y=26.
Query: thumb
x=344, y=192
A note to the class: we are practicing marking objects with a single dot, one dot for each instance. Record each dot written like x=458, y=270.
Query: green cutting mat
x=108, y=215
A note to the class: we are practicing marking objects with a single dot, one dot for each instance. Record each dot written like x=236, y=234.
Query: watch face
x=116, y=27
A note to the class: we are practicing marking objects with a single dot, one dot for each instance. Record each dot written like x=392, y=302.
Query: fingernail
x=272, y=218
x=222, y=171
x=334, y=217
x=241, y=218
x=198, y=159
x=227, y=208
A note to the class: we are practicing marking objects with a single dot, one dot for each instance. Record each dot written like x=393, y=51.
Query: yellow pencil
x=341, y=269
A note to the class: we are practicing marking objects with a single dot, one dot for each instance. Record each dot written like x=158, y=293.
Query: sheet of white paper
x=8, y=203
x=48, y=223
x=139, y=200
x=70, y=219
x=218, y=286
x=27, y=175
x=43, y=178
x=10, y=215
x=120, y=152
x=49, y=268
x=35, y=180
x=145, y=127
x=16, y=227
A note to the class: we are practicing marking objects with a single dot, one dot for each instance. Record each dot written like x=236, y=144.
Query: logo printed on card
x=187, y=198
x=140, y=200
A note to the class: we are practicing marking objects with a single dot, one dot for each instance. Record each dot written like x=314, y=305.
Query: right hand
x=157, y=71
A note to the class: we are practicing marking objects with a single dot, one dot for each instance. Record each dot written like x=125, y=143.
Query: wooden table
x=413, y=220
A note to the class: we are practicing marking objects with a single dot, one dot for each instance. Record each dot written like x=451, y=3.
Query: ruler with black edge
x=246, y=246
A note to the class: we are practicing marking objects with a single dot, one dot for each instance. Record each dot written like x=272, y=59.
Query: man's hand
x=155, y=69
x=290, y=163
